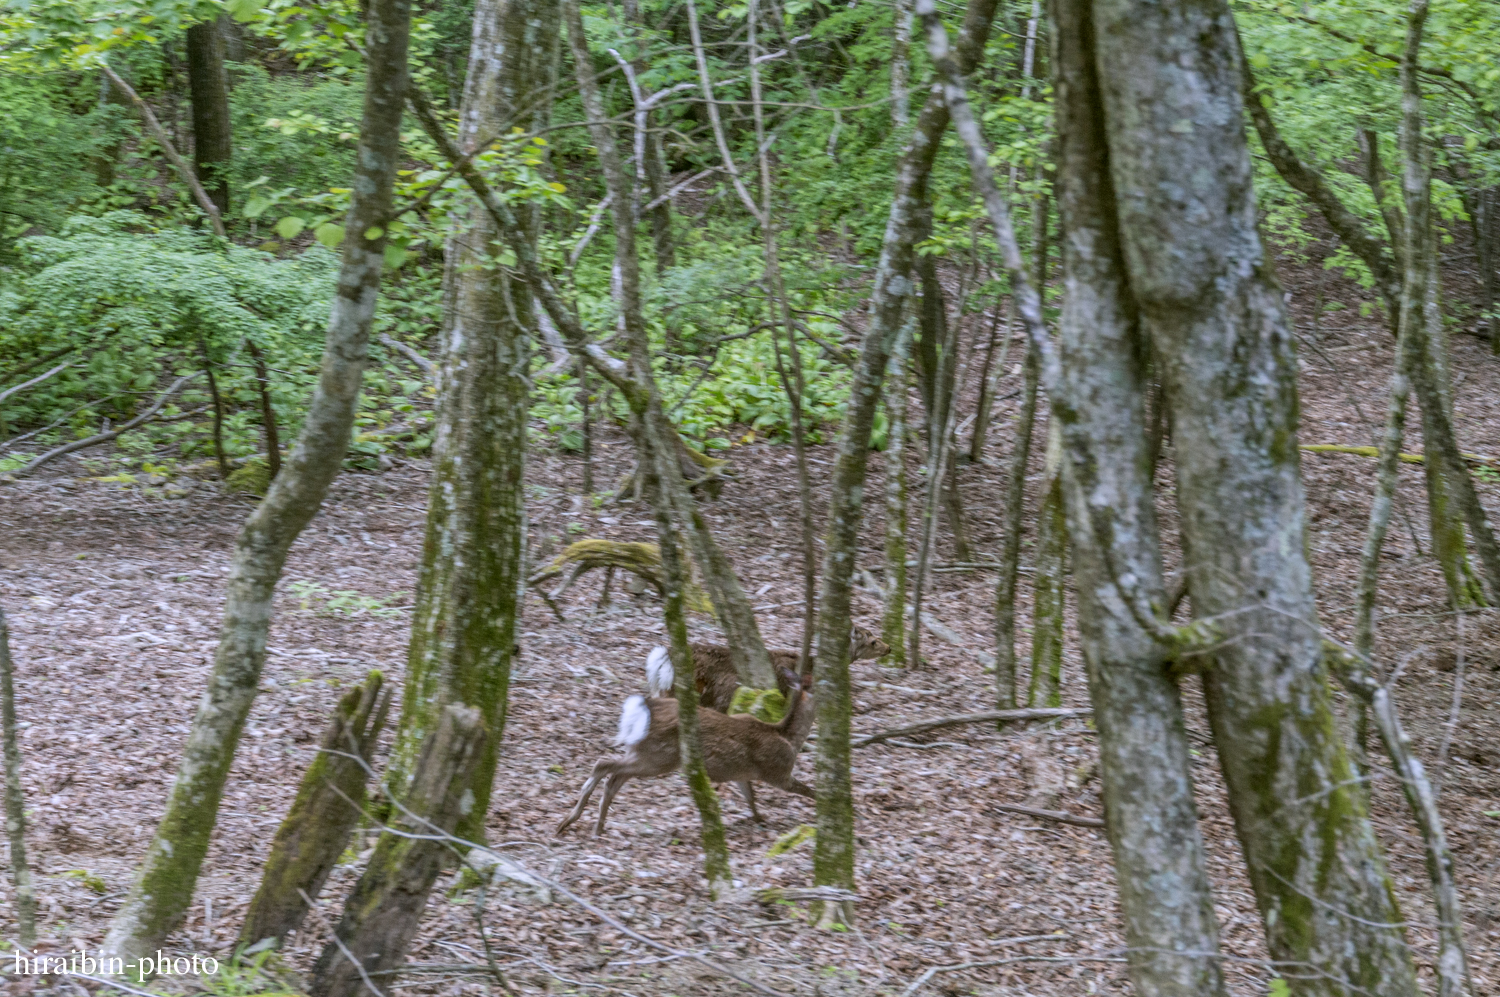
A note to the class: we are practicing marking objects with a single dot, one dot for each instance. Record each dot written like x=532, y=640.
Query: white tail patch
x=635, y=718
x=659, y=673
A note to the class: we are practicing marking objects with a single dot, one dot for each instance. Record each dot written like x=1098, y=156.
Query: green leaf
x=1279, y=988
x=255, y=206
x=329, y=234
x=290, y=227
x=243, y=11
x=394, y=256
x=374, y=232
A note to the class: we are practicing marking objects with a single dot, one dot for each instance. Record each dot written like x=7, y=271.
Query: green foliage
x=314, y=598
x=46, y=140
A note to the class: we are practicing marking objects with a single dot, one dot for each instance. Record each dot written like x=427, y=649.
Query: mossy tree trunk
x=469, y=588
x=1220, y=332
x=890, y=297
x=671, y=503
x=15, y=803
x=328, y=807
x=164, y=886
x=1049, y=581
x=1166, y=901
x=385, y=908
x=209, y=84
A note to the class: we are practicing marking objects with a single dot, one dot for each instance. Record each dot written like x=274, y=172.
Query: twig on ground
x=989, y=716
x=986, y=963
x=1061, y=816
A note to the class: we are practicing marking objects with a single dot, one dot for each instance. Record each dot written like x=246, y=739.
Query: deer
x=717, y=679
x=738, y=749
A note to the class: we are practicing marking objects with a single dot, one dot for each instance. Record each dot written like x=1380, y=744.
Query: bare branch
x=988, y=716
x=199, y=194
x=98, y=438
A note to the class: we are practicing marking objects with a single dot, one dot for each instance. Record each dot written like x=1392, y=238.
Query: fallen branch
x=825, y=894
x=985, y=963
x=989, y=716
x=1478, y=460
x=428, y=367
x=35, y=380
x=1061, y=816
x=98, y=438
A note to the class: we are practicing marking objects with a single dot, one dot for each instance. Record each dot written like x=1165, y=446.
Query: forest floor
x=115, y=595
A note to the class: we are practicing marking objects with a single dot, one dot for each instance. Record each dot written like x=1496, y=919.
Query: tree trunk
x=164, y=888
x=833, y=857
x=685, y=685
x=1220, y=333
x=893, y=624
x=989, y=377
x=464, y=627
x=901, y=71
x=385, y=908
x=1010, y=550
x=329, y=804
x=670, y=500
x=209, y=85
x=267, y=411
x=1049, y=581
x=1098, y=398
x=15, y=803
x=1145, y=764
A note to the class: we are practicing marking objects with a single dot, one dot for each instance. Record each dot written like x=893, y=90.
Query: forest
x=451, y=452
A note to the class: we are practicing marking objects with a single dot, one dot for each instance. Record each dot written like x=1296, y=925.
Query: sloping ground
x=115, y=593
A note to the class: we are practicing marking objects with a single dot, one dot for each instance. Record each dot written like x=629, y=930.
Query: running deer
x=717, y=679
x=738, y=749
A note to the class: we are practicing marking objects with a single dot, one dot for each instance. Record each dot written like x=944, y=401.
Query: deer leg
x=614, y=785
x=747, y=789
x=602, y=768
x=795, y=785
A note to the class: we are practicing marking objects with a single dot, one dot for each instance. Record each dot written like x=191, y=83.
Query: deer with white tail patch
x=738, y=749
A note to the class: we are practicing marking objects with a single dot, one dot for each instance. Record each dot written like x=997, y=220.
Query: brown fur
x=738, y=749
x=717, y=679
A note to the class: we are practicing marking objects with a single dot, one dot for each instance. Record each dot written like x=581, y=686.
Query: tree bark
x=469, y=587
x=1098, y=393
x=329, y=804
x=833, y=858
x=385, y=908
x=901, y=70
x=1049, y=581
x=1010, y=550
x=1170, y=77
x=164, y=887
x=209, y=86
x=267, y=411
x=15, y=803
x=893, y=622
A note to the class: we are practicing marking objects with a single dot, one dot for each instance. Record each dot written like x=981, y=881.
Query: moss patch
x=254, y=477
